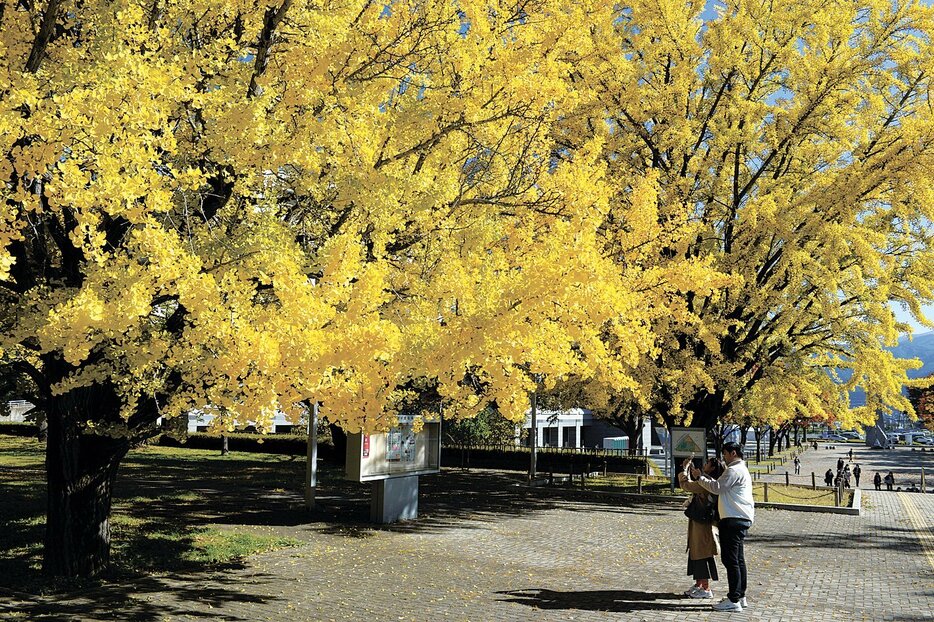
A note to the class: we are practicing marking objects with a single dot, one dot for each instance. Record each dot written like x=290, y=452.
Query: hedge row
x=484, y=458
x=546, y=462
x=287, y=444
x=18, y=429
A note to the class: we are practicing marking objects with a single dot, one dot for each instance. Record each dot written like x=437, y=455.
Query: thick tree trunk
x=225, y=446
x=632, y=426
x=81, y=469
x=773, y=439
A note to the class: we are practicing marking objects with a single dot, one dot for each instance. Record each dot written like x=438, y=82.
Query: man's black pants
x=732, y=533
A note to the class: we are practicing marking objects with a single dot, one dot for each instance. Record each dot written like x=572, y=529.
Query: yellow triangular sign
x=687, y=444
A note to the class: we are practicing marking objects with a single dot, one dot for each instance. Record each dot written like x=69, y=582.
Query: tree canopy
x=791, y=144
x=247, y=207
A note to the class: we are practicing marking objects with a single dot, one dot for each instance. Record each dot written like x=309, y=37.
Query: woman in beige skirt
x=703, y=538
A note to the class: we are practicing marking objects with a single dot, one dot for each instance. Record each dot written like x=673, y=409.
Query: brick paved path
x=905, y=464
x=512, y=554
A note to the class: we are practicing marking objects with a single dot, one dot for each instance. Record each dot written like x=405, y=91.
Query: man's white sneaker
x=743, y=603
x=691, y=590
x=702, y=593
x=727, y=605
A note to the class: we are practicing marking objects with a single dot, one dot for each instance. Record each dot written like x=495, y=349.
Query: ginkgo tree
x=792, y=146
x=249, y=206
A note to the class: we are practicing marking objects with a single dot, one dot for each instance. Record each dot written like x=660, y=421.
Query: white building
x=578, y=427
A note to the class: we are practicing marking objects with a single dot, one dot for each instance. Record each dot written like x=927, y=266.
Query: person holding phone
x=737, y=511
x=703, y=538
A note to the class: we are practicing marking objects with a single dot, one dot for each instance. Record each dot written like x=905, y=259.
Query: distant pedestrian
x=877, y=481
x=846, y=477
x=797, y=466
x=851, y=454
x=828, y=477
x=839, y=465
x=815, y=445
x=856, y=472
x=889, y=480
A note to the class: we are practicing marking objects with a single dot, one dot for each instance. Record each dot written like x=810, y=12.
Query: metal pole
x=533, y=437
x=671, y=461
x=311, y=465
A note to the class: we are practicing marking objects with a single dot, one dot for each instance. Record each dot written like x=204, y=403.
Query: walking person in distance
x=737, y=512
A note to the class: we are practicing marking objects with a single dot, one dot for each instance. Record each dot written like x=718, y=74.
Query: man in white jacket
x=737, y=511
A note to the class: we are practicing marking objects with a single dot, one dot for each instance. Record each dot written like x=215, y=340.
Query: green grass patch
x=779, y=493
x=173, y=509
x=216, y=546
x=621, y=482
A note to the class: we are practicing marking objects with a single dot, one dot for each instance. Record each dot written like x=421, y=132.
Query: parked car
x=923, y=440
x=836, y=438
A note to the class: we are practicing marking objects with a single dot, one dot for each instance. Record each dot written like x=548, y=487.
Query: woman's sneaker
x=727, y=605
x=702, y=593
x=691, y=591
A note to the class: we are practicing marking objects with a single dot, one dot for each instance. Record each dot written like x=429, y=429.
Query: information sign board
x=688, y=441
x=399, y=452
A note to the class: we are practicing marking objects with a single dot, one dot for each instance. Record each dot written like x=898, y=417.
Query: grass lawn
x=778, y=493
x=174, y=509
x=618, y=482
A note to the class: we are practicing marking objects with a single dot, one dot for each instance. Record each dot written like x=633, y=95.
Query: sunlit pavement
x=485, y=550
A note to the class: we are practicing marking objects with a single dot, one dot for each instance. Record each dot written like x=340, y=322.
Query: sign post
x=533, y=438
x=311, y=465
x=392, y=461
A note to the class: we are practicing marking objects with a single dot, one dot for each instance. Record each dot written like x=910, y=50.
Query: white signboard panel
x=688, y=441
x=400, y=452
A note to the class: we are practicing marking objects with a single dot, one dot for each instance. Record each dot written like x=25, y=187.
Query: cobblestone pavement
x=485, y=550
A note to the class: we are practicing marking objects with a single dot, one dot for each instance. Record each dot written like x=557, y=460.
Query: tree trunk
x=225, y=446
x=632, y=426
x=773, y=438
x=759, y=431
x=81, y=469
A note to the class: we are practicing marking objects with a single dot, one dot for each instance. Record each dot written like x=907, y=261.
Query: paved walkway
x=905, y=463
x=485, y=551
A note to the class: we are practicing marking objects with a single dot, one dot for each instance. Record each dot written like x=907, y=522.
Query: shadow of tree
x=882, y=538
x=128, y=600
x=615, y=601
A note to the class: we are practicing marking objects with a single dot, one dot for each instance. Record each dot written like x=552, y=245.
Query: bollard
x=639, y=483
x=922, y=480
x=765, y=493
x=813, y=481
x=604, y=468
x=787, y=483
x=836, y=497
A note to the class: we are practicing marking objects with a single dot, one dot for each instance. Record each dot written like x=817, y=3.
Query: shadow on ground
x=617, y=601
x=128, y=600
x=163, y=500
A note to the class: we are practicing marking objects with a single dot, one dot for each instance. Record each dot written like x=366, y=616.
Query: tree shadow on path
x=131, y=601
x=616, y=601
